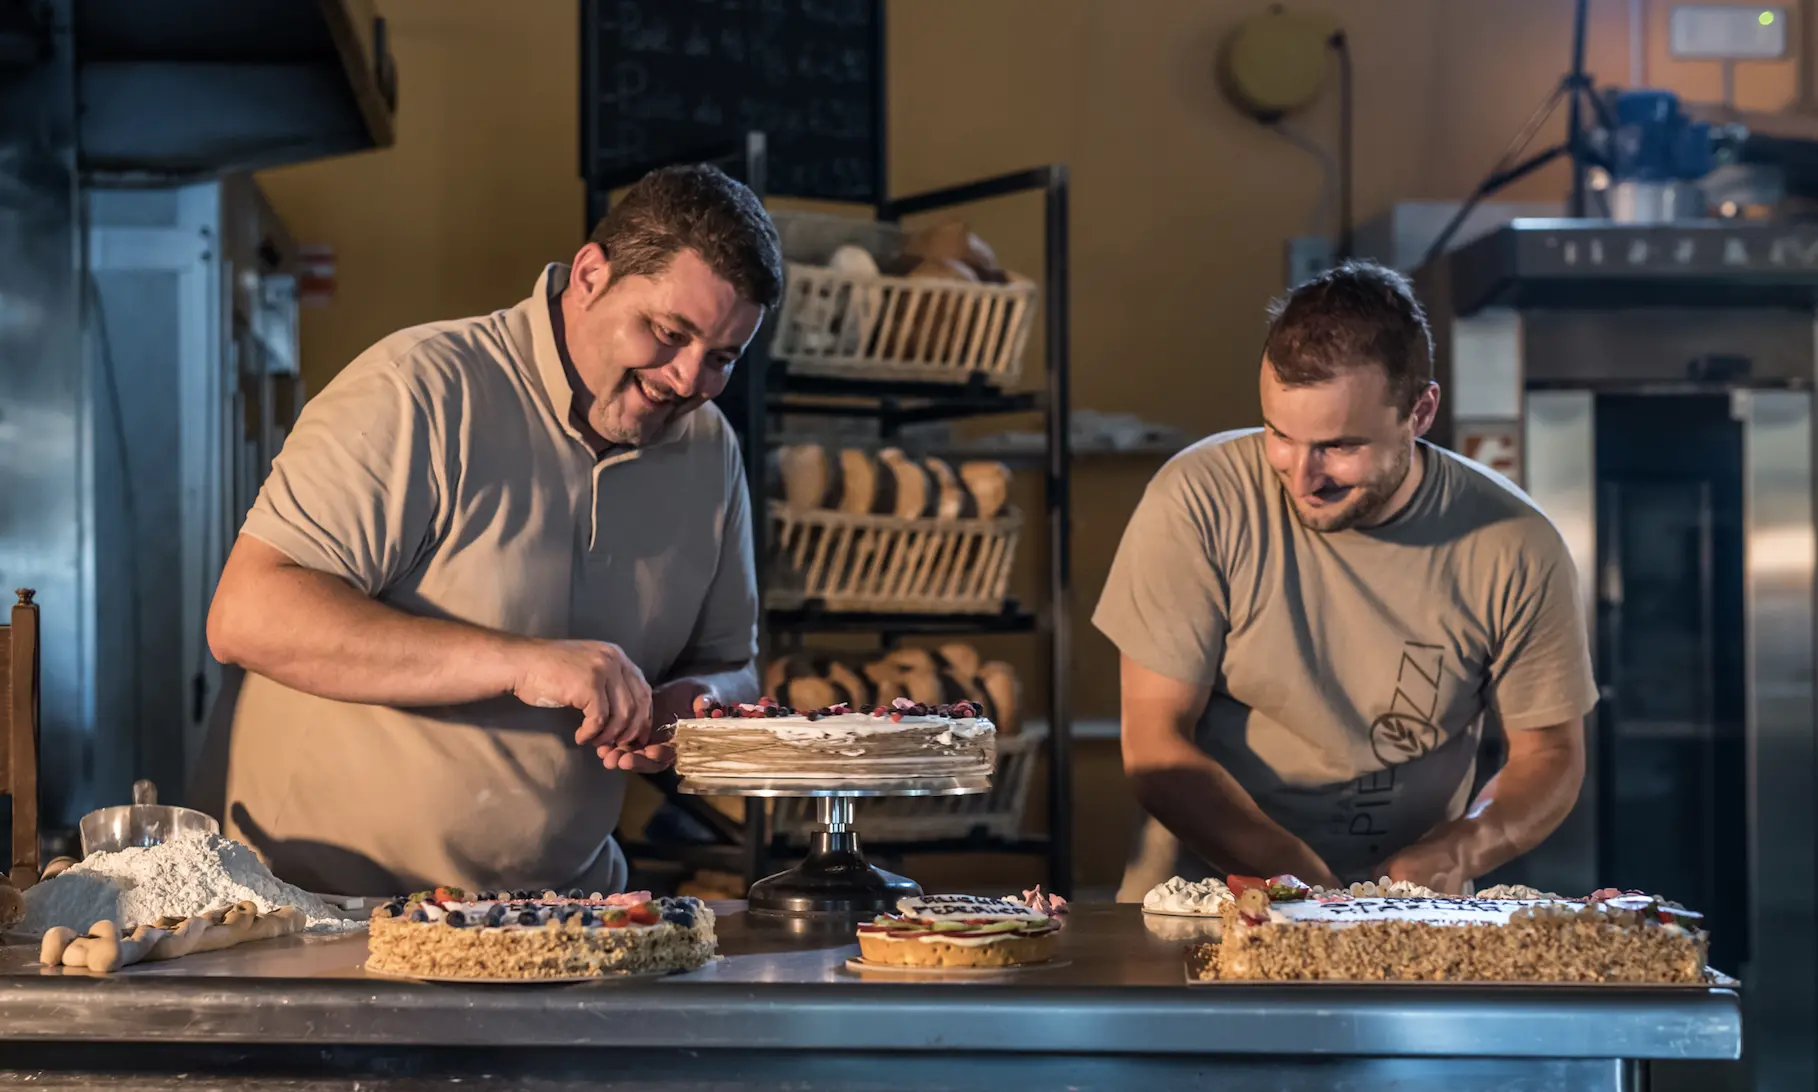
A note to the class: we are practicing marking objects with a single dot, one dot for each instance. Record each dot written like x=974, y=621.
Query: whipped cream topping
x=1385, y=888
x=846, y=727
x=1425, y=911
x=967, y=908
x=1181, y=896
x=1518, y=891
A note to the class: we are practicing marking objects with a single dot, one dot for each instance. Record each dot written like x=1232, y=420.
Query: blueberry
x=528, y=917
x=418, y=915
x=587, y=917
x=681, y=917
x=455, y=918
x=495, y=917
x=576, y=893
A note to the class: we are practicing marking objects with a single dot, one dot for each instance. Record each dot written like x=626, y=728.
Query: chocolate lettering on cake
x=965, y=907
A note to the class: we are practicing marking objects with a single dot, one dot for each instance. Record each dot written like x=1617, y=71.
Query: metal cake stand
x=834, y=884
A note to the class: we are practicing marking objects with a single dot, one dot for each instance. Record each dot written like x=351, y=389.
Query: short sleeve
x=1541, y=671
x=353, y=492
x=1165, y=603
x=727, y=631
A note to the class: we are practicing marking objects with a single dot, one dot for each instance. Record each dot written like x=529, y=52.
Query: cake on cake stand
x=834, y=884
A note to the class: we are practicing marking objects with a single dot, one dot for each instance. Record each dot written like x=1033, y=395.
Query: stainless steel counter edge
x=1299, y=1020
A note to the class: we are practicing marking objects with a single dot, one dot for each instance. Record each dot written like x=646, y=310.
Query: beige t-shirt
x=1351, y=672
x=440, y=474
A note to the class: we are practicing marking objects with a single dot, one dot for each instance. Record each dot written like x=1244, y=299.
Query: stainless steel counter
x=1113, y=1009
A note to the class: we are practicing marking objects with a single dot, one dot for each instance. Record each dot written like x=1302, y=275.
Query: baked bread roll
x=861, y=486
x=954, y=241
x=911, y=485
x=814, y=681
x=807, y=477
x=927, y=319
x=989, y=484
x=907, y=673
x=952, y=500
x=1003, y=696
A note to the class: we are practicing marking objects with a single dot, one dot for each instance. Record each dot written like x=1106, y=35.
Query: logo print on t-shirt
x=1406, y=730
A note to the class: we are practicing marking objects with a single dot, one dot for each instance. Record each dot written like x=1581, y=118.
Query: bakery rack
x=766, y=386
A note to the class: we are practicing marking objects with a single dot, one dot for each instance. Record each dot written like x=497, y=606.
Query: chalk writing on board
x=670, y=76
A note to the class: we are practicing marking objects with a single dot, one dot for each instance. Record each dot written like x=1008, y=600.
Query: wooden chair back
x=19, y=722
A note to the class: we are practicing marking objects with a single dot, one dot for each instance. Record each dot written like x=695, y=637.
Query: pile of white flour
x=188, y=875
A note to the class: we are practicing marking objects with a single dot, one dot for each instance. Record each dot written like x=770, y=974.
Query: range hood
x=182, y=90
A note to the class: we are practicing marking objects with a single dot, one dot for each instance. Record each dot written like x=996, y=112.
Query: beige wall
x=1180, y=205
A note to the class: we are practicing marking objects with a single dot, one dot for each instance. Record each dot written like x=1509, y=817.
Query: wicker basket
x=997, y=813
x=890, y=563
x=892, y=328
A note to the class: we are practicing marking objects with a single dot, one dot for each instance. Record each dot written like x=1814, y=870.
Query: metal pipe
x=835, y=813
x=1060, y=531
x=1574, y=123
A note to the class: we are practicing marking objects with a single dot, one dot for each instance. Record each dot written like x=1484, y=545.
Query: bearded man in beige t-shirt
x=1318, y=617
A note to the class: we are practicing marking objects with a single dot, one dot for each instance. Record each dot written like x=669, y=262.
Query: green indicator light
x=1766, y=18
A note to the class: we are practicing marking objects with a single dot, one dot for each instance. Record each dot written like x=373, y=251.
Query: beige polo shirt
x=1351, y=672
x=440, y=474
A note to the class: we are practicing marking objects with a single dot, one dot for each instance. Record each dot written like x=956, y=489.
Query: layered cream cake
x=1279, y=929
x=902, y=740
x=448, y=933
x=964, y=931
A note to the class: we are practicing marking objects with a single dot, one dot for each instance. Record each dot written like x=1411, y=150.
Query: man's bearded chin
x=1368, y=505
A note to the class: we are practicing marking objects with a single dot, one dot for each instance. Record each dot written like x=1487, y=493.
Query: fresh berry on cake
x=1282, y=929
x=447, y=933
x=965, y=931
x=902, y=740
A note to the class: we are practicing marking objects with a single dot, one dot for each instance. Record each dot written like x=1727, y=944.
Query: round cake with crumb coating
x=964, y=931
x=450, y=934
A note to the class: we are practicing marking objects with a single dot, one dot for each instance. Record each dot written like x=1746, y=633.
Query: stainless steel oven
x=1651, y=388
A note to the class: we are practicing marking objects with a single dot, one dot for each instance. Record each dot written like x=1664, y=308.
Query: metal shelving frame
x=765, y=387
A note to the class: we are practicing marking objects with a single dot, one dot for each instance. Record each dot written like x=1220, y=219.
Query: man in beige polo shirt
x=1316, y=618
x=481, y=545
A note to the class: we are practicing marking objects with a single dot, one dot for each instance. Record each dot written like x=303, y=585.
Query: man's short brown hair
x=700, y=208
x=1355, y=315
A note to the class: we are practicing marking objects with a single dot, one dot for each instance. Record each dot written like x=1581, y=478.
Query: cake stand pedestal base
x=833, y=881
x=834, y=884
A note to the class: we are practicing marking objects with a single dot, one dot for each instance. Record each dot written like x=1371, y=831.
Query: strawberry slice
x=1240, y=884
x=644, y=914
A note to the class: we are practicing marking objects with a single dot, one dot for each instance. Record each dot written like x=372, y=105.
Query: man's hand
x=1513, y=813
x=1432, y=862
x=1197, y=799
x=669, y=702
x=595, y=677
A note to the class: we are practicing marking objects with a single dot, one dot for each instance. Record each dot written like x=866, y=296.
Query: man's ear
x=590, y=272
x=1426, y=409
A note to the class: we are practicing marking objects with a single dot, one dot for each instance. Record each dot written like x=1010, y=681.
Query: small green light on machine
x=1766, y=18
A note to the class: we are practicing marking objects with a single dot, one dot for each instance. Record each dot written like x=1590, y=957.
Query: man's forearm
x=1204, y=806
x=313, y=632
x=1515, y=811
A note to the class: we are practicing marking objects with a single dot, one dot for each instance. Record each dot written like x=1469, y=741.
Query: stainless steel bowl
x=144, y=822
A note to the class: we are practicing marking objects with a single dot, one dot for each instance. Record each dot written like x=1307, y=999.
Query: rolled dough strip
x=55, y=942
x=989, y=484
x=75, y=953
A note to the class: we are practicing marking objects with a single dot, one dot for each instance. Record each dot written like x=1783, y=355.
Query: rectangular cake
x=903, y=740
x=1280, y=930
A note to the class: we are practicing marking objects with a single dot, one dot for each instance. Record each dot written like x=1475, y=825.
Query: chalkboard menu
x=665, y=78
